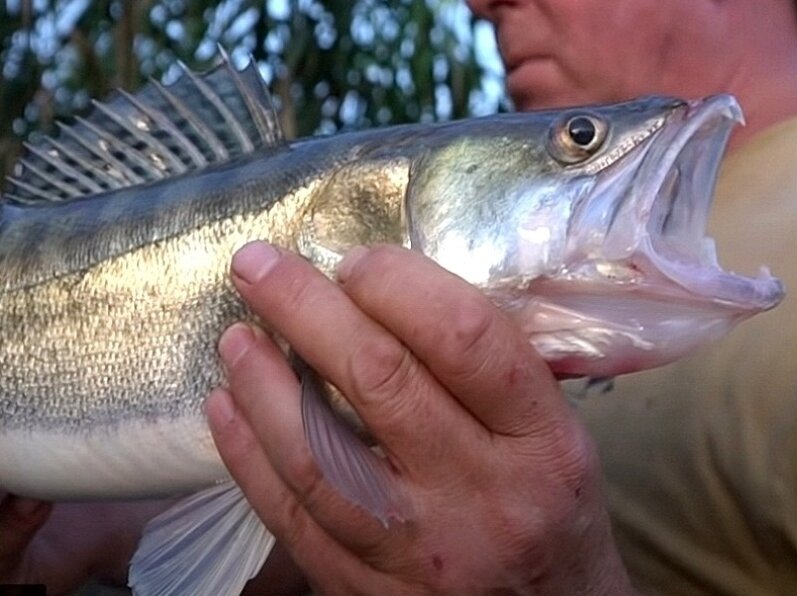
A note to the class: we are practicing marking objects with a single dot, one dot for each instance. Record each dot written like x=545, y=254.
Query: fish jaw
x=639, y=284
x=667, y=217
x=600, y=330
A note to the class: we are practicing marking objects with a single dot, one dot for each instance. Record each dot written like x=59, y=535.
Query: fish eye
x=576, y=138
x=582, y=131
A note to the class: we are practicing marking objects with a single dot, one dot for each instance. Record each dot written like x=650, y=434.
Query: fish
x=587, y=225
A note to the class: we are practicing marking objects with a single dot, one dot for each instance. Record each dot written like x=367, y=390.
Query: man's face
x=565, y=52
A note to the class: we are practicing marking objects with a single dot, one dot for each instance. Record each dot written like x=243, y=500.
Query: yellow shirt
x=700, y=457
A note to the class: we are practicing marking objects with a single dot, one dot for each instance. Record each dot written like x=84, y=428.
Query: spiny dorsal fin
x=157, y=133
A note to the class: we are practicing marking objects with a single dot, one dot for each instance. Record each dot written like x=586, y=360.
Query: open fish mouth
x=677, y=179
x=643, y=285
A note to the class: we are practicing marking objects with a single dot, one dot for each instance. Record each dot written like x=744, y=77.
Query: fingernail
x=27, y=508
x=220, y=408
x=234, y=343
x=258, y=332
x=346, y=266
x=254, y=260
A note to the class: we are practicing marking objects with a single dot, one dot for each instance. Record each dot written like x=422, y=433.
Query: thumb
x=20, y=518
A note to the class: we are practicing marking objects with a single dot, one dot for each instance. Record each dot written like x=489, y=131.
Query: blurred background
x=331, y=65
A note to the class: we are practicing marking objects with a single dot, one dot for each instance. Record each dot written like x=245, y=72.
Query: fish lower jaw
x=703, y=280
x=676, y=181
x=132, y=460
x=594, y=329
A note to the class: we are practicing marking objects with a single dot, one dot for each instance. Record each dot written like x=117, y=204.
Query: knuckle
x=381, y=368
x=383, y=257
x=527, y=532
x=571, y=452
x=533, y=547
x=567, y=457
x=282, y=509
x=471, y=328
x=469, y=344
x=302, y=473
x=388, y=380
x=293, y=523
x=579, y=461
x=376, y=268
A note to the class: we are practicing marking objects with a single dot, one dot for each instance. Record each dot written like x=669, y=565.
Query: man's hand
x=499, y=482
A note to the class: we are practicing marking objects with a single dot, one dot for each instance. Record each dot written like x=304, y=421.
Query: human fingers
x=20, y=519
x=245, y=459
x=478, y=354
x=397, y=398
x=267, y=393
x=466, y=342
x=533, y=504
x=311, y=547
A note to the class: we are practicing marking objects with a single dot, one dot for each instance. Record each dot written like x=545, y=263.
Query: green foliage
x=331, y=65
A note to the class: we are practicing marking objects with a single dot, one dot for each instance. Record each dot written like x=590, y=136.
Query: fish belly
x=139, y=459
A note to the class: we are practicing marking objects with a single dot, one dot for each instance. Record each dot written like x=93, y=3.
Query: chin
x=534, y=93
x=542, y=83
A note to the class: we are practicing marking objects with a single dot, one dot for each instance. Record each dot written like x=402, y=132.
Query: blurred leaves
x=332, y=65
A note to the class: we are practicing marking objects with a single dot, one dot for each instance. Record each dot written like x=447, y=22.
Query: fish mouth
x=677, y=179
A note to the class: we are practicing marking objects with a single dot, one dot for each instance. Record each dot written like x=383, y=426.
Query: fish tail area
x=347, y=463
x=210, y=543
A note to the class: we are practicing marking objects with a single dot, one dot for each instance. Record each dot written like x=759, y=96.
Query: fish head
x=588, y=226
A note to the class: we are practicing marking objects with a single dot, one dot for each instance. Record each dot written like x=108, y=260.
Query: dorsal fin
x=157, y=133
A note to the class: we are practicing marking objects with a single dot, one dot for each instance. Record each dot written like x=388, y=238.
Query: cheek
x=610, y=51
x=614, y=48
x=702, y=56
x=589, y=45
x=630, y=48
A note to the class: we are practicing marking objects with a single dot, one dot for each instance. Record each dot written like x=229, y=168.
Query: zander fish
x=586, y=224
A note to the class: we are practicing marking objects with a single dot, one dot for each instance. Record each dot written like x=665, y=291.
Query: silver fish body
x=110, y=316
x=585, y=224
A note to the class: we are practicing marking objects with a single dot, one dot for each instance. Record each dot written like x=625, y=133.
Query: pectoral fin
x=208, y=544
x=347, y=463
